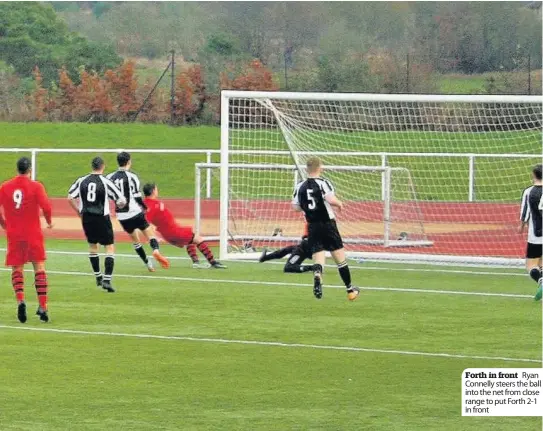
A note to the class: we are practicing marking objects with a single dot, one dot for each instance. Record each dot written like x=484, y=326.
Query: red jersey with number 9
x=21, y=199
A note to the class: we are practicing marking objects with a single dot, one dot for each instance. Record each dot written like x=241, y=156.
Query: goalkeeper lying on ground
x=298, y=253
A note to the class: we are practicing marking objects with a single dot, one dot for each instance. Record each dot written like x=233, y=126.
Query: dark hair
x=97, y=163
x=148, y=189
x=123, y=158
x=537, y=172
x=23, y=165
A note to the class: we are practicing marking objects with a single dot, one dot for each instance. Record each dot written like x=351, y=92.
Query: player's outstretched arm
x=45, y=205
x=334, y=201
x=2, y=221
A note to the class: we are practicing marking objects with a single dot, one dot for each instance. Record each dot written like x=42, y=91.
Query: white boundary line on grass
x=283, y=284
x=365, y=267
x=269, y=344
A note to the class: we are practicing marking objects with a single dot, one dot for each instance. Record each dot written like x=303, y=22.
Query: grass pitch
x=249, y=348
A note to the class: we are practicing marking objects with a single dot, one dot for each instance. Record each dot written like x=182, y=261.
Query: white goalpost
x=401, y=163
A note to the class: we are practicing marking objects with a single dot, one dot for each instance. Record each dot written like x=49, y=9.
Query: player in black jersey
x=131, y=216
x=298, y=253
x=316, y=198
x=530, y=214
x=94, y=191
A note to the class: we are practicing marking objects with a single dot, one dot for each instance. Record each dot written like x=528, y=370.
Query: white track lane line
x=357, y=267
x=283, y=284
x=270, y=344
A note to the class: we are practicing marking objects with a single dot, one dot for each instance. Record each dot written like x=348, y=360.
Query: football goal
x=425, y=178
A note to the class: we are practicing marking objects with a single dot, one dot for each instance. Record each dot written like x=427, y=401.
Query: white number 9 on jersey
x=18, y=198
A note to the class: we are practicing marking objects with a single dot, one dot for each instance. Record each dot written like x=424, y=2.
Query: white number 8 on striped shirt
x=91, y=192
x=18, y=198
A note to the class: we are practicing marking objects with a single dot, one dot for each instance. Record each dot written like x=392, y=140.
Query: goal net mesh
x=458, y=169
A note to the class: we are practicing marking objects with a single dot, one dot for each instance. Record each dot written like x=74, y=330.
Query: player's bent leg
x=533, y=267
x=138, y=248
x=42, y=285
x=150, y=234
x=95, y=263
x=193, y=254
x=206, y=251
x=109, y=264
x=345, y=273
x=278, y=254
x=17, y=281
x=296, y=268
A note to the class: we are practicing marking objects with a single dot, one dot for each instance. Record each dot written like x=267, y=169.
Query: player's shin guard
x=40, y=282
x=191, y=250
x=141, y=252
x=153, y=242
x=95, y=263
x=206, y=251
x=535, y=273
x=109, y=263
x=345, y=273
x=17, y=281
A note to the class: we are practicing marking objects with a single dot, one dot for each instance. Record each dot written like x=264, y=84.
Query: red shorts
x=179, y=237
x=22, y=251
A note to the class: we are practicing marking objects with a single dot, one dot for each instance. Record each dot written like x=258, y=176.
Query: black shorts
x=299, y=254
x=137, y=222
x=324, y=236
x=98, y=229
x=534, y=251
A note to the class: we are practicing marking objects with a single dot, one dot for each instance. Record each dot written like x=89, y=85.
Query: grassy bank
x=436, y=178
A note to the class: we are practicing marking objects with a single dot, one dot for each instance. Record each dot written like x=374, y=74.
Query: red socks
x=17, y=281
x=203, y=247
x=191, y=250
x=40, y=281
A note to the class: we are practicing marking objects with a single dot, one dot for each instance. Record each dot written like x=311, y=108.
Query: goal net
x=424, y=178
x=269, y=220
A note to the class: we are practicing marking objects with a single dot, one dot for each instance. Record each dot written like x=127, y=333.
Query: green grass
x=435, y=178
x=94, y=382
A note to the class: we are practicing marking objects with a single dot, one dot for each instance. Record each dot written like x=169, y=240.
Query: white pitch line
x=364, y=267
x=283, y=284
x=270, y=344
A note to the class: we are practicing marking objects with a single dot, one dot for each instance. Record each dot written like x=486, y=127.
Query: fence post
x=471, y=191
x=383, y=176
x=33, y=160
x=208, y=176
x=197, y=198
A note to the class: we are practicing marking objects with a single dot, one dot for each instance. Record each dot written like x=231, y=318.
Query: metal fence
x=470, y=159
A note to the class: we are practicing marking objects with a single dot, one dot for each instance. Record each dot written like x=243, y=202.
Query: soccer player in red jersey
x=180, y=236
x=22, y=198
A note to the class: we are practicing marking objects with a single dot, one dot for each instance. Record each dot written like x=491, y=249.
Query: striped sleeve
x=326, y=187
x=524, y=207
x=295, y=195
x=135, y=185
x=112, y=191
x=73, y=191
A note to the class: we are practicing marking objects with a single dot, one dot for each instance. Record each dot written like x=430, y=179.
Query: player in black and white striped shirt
x=316, y=198
x=530, y=214
x=131, y=216
x=94, y=192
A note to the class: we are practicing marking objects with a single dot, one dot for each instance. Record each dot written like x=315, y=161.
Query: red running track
x=500, y=239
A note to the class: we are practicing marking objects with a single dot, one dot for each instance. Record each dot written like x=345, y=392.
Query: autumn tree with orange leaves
x=254, y=76
x=190, y=95
x=39, y=96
